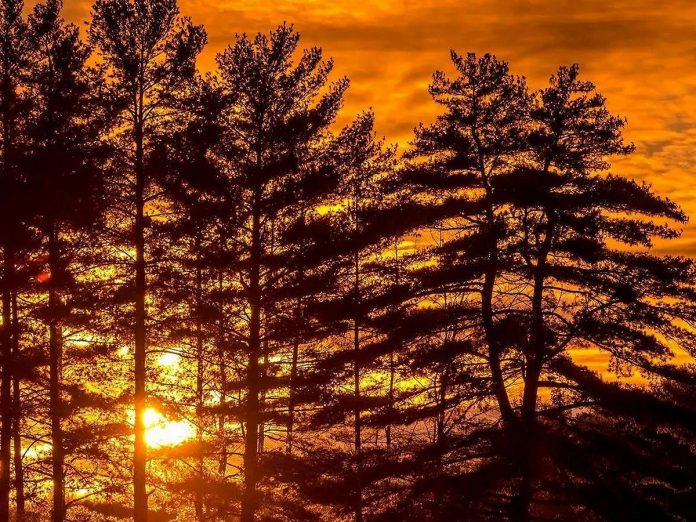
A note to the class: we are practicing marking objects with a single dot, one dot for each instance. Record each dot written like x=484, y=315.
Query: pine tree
x=453, y=171
x=201, y=209
x=582, y=290
x=14, y=56
x=148, y=50
x=477, y=139
x=63, y=168
x=523, y=176
x=344, y=243
x=277, y=123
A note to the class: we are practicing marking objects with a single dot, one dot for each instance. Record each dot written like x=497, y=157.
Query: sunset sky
x=641, y=54
x=199, y=323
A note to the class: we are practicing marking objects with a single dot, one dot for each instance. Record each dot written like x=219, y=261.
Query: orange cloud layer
x=640, y=53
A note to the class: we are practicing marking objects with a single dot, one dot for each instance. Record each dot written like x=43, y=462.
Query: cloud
x=640, y=53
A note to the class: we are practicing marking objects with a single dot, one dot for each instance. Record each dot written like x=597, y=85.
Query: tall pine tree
x=148, y=51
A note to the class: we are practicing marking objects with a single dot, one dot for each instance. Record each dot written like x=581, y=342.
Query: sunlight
x=82, y=493
x=162, y=432
x=168, y=359
x=322, y=210
x=80, y=340
x=36, y=451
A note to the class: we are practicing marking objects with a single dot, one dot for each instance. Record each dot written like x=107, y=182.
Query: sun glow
x=168, y=359
x=163, y=432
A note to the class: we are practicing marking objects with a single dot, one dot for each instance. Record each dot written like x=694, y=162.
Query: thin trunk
x=440, y=436
x=535, y=362
x=356, y=391
x=55, y=378
x=297, y=338
x=199, y=506
x=249, y=497
x=291, y=392
x=440, y=395
x=390, y=398
x=222, y=465
x=8, y=94
x=17, y=416
x=489, y=327
x=264, y=369
x=140, y=454
x=528, y=446
x=6, y=386
x=490, y=275
x=262, y=396
x=392, y=358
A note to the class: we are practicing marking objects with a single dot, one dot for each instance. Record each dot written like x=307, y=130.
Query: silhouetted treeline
x=218, y=304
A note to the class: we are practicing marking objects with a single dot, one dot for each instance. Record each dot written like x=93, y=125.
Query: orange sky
x=640, y=53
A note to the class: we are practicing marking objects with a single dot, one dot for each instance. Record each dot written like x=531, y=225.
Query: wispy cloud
x=640, y=53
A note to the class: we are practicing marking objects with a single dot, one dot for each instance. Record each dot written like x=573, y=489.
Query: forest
x=220, y=304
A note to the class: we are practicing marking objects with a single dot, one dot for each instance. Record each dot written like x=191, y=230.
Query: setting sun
x=163, y=432
x=347, y=262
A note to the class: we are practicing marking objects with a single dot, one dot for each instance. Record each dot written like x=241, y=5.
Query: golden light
x=168, y=359
x=162, y=432
x=322, y=210
x=36, y=451
x=82, y=341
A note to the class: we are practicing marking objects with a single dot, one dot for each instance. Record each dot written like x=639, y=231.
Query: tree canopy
x=220, y=302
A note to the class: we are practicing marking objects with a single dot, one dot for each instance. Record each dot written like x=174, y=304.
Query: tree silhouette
x=362, y=161
x=147, y=50
x=475, y=141
x=582, y=290
x=277, y=121
x=14, y=56
x=533, y=238
x=64, y=133
x=324, y=328
x=200, y=214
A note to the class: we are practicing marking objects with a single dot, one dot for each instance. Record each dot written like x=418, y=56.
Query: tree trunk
x=392, y=357
x=390, y=399
x=497, y=378
x=249, y=497
x=262, y=396
x=6, y=386
x=140, y=453
x=264, y=369
x=291, y=392
x=535, y=361
x=199, y=506
x=297, y=316
x=528, y=444
x=487, y=315
x=17, y=416
x=222, y=465
x=8, y=94
x=441, y=419
x=356, y=390
x=55, y=379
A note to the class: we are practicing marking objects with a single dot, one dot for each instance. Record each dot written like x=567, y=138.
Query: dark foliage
x=218, y=305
